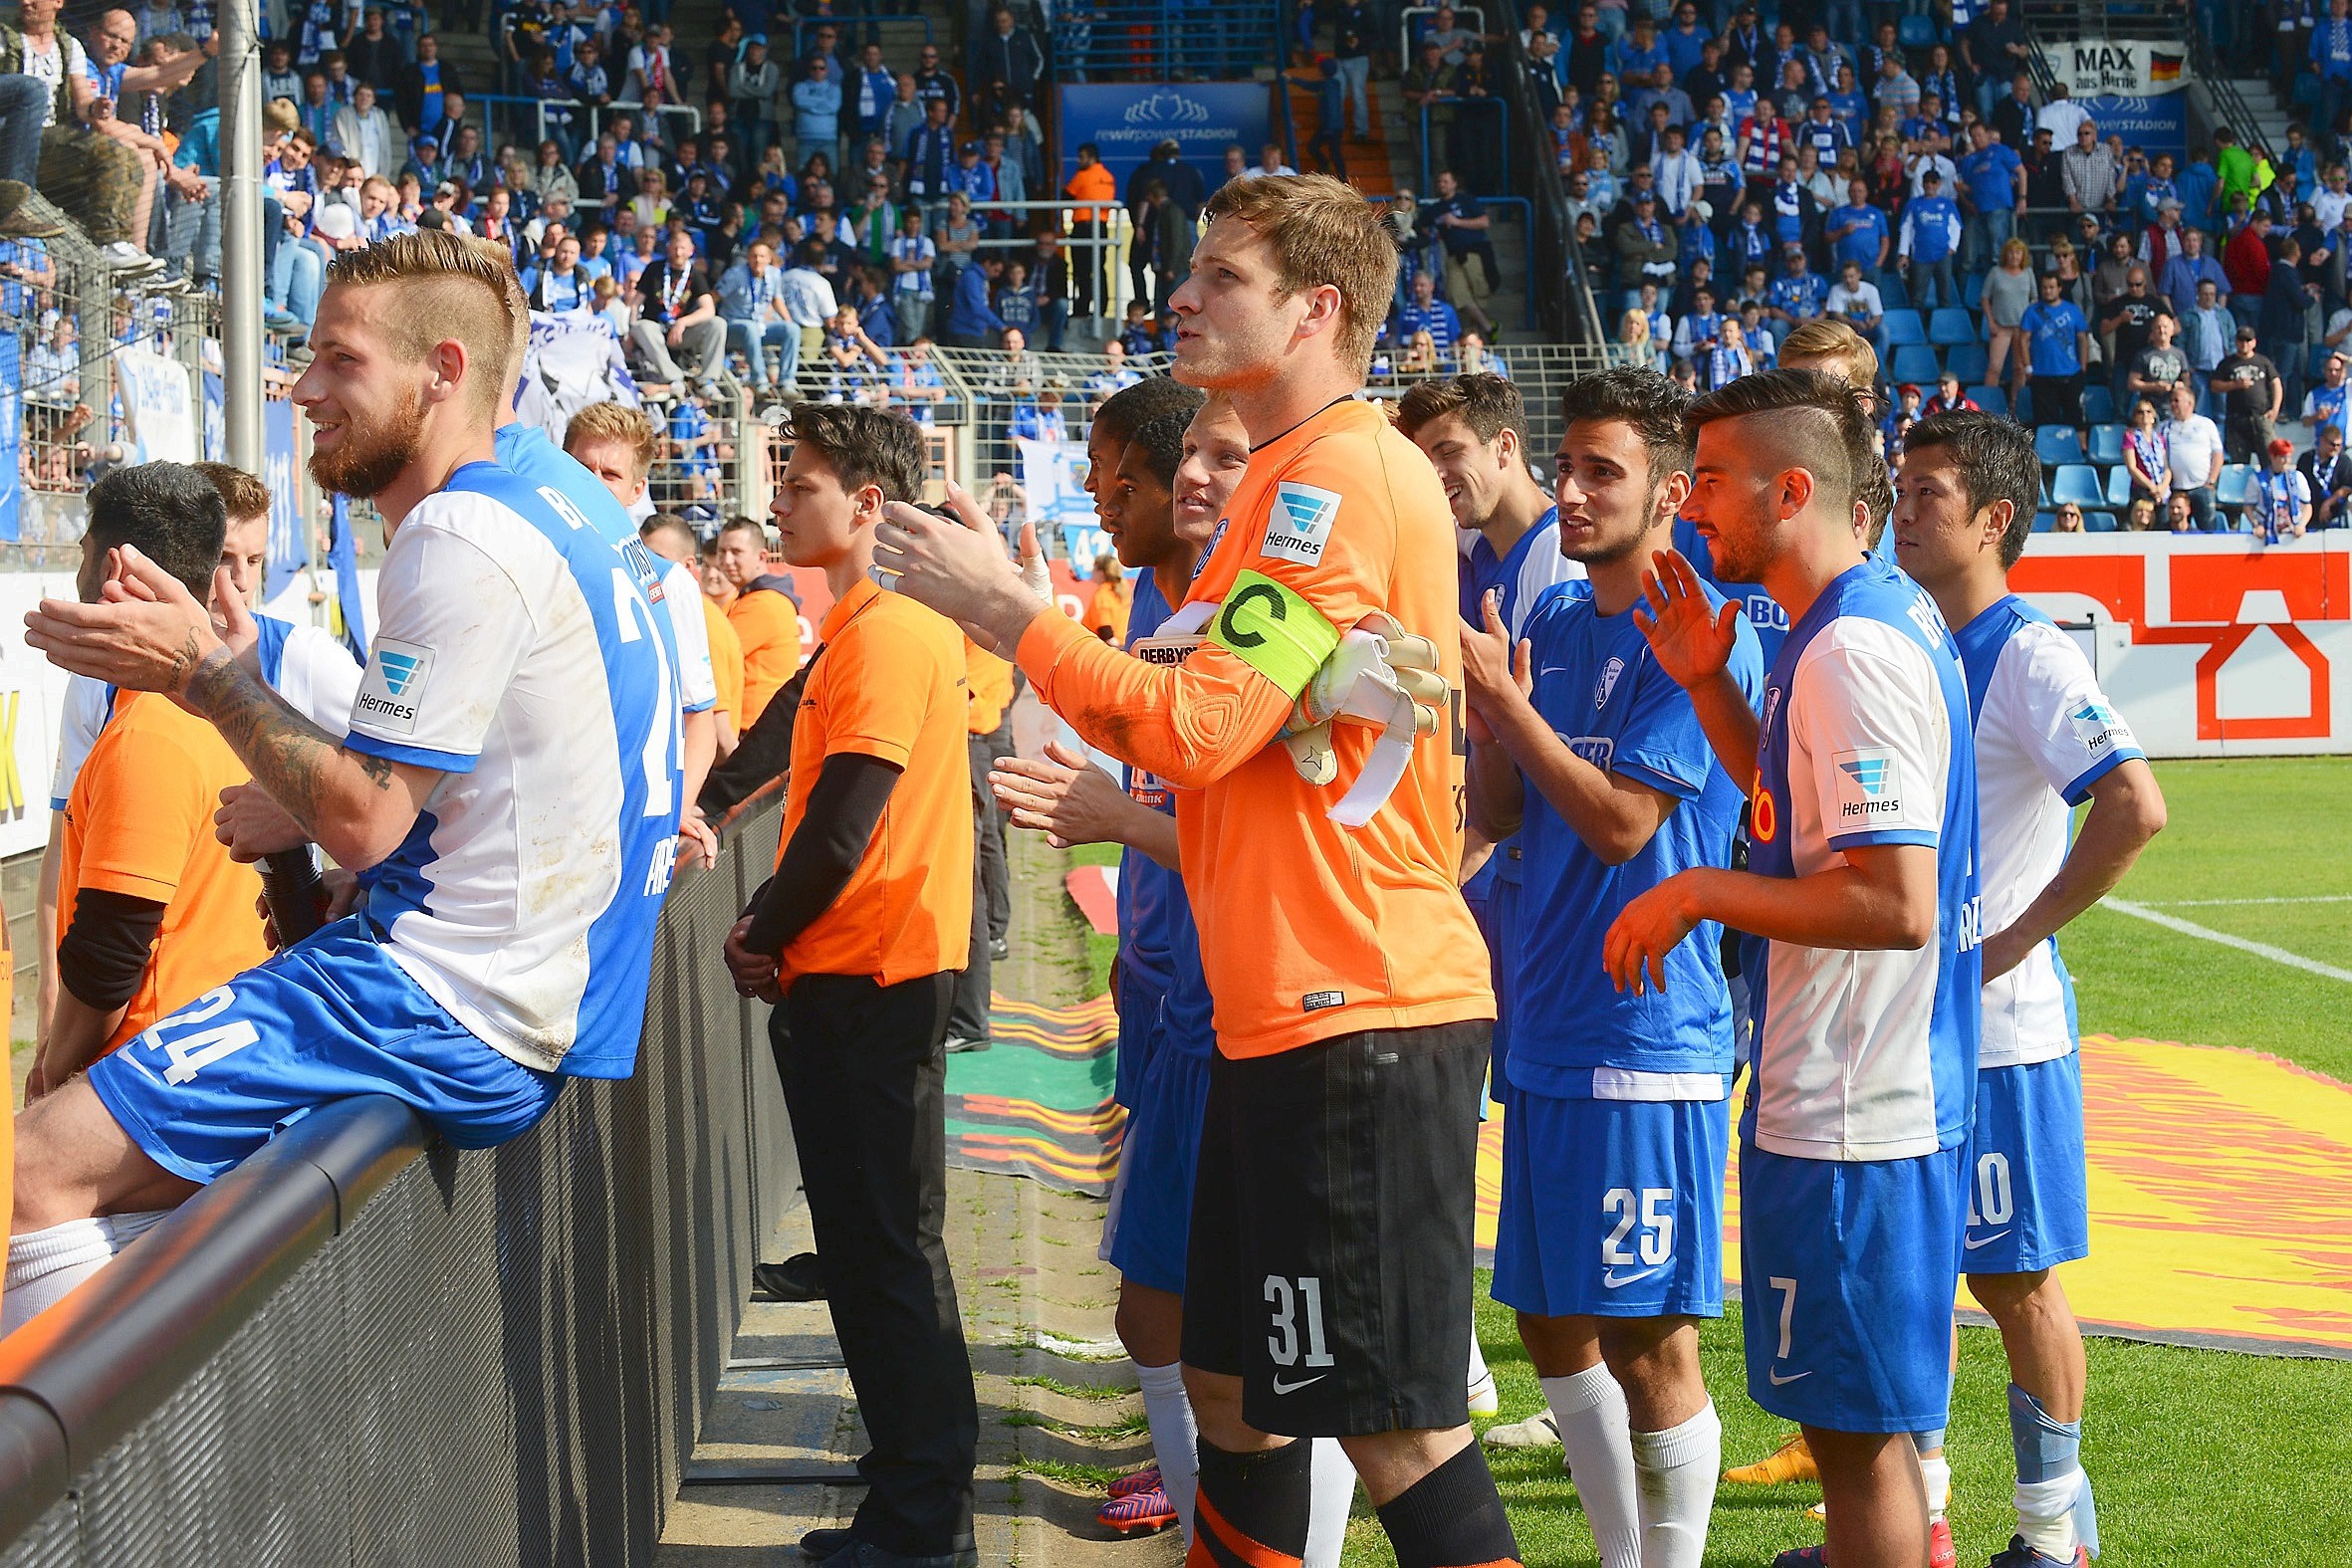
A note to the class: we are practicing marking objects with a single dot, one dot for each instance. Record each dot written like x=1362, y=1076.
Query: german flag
x=2163, y=67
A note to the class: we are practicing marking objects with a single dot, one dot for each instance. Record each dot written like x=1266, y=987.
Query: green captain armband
x=1274, y=631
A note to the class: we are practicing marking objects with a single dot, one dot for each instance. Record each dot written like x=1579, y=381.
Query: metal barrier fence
x=343, y=1351
x=1155, y=41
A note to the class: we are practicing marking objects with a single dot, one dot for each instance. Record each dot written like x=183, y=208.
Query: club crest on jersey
x=1869, y=786
x=1300, y=523
x=397, y=673
x=1771, y=705
x=2098, y=727
x=1607, y=682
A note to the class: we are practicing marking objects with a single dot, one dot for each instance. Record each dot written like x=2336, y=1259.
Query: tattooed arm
x=150, y=634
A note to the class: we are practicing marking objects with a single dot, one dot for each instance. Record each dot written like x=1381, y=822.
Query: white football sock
x=1675, y=1471
x=1175, y=1442
x=1936, y=1476
x=1590, y=1410
x=1334, y=1495
x=43, y=1266
x=2045, y=1515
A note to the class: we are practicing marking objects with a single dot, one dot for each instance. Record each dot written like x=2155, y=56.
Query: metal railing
x=527, y=110
x=360, y=1345
x=869, y=24
x=1558, y=284
x=1153, y=40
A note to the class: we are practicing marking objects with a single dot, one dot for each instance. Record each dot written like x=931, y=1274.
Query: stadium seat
x=2099, y=522
x=1950, y=324
x=1891, y=292
x=2078, y=484
x=1902, y=326
x=1917, y=31
x=2023, y=413
x=1990, y=398
x=2237, y=488
x=1914, y=362
x=2055, y=444
x=2119, y=487
x=2045, y=522
x=1967, y=361
x=1971, y=290
x=2098, y=404
x=2106, y=443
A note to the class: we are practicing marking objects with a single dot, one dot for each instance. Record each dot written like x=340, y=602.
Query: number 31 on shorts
x=191, y=1053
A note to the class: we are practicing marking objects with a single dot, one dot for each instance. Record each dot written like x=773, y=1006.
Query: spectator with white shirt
x=2192, y=456
x=1855, y=300
x=2059, y=117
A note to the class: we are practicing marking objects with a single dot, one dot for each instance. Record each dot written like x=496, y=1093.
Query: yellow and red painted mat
x=2221, y=1186
x=1038, y=1103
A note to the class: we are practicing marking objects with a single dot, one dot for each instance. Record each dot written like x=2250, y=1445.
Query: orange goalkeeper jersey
x=1309, y=929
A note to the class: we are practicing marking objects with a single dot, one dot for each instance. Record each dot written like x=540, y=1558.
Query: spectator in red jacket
x=2245, y=262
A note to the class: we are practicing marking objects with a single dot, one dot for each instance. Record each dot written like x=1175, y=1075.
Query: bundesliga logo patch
x=395, y=676
x=1869, y=786
x=1300, y=523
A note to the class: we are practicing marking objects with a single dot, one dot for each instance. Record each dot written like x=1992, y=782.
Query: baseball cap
x=2246, y=334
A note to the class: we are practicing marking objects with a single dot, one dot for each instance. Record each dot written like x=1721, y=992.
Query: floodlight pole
x=240, y=230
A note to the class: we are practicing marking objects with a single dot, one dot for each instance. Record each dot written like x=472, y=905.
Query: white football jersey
x=2046, y=733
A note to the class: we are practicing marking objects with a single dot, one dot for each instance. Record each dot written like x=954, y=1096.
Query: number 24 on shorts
x=191, y=1053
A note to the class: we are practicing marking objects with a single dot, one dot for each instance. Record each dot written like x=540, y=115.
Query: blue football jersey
x=1522, y=572
x=520, y=658
x=1866, y=1055
x=1603, y=693
x=1185, y=1007
x=2045, y=733
x=1144, y=884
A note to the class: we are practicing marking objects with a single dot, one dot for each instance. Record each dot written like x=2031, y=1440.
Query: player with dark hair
x=1861, y=894
x=1613, y=1145
x=2046, y=739
x=858, y=939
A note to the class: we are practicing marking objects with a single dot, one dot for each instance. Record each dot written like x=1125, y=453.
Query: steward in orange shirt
x=856, y=937
x=1328, y=1285
x=765, y=618
x=1090, y=226
x=151, y=911
x=990, y=680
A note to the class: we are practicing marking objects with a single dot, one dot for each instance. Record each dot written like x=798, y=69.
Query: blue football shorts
x=326, y=1019
x=1150, y=1224
x=1847, y=1270
x=1610, y=1208
x=2029, y=1199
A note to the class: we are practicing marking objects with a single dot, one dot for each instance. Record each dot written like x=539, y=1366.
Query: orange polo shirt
x=890, y=685
x=1309, y=929
x=991, y=681
x=767, y=625
x=139, y=822
x=727, y=662
x=1106, y=612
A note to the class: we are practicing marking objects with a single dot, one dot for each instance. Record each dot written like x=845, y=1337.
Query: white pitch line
x=2190, y=928
x=2216, y=903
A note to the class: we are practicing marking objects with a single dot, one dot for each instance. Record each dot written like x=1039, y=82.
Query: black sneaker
x=854, y=1553
x=959, y=1044
x=999, y=949
x=797, y=1279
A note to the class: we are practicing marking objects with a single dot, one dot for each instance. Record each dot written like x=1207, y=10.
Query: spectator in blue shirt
x=1686, y=40
x=971, y=317
x=2331, y=59
x=1858, y=232
x=1931, y=240
x=1827, y=135
x=2186, y=270
x=816, y=111
x=1992, y=193
x=1639, y=53
x=1796, y=296
x=1425, y=312
x=2061, y=341
x=751, y=299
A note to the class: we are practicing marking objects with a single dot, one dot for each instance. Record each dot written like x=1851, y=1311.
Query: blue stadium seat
x=1967, y=361
x=2098, y=404
x=2106, y=443
x=2237, y=488
x=2023, y=413
x=1950, y=324
x=1902, y=326
x=1914, y=362
x=1971, y=290
x=1989, y=398
x=1891, y=292
x=2078, y=484
x=1916, y=31
x=2045, y=522
x=2119, y=487
x=2055, y=444
x=2099, y=522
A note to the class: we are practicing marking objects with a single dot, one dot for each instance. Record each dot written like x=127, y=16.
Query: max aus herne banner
x=2120, y=68
x=1126, y=120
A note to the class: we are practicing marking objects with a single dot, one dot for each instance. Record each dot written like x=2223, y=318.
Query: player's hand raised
x=148, y=633
x=1691, y=640
x=1494, y=671
x=1062, y=794
x=956, y=565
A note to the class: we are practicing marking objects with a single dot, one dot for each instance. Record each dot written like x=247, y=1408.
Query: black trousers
x=992, y=894
x=865, y=1083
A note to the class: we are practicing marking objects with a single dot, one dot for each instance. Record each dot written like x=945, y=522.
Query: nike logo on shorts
x=1279, y=1387
x=1973, y=1242
x=1779, y=1379
x=1613, y=1280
